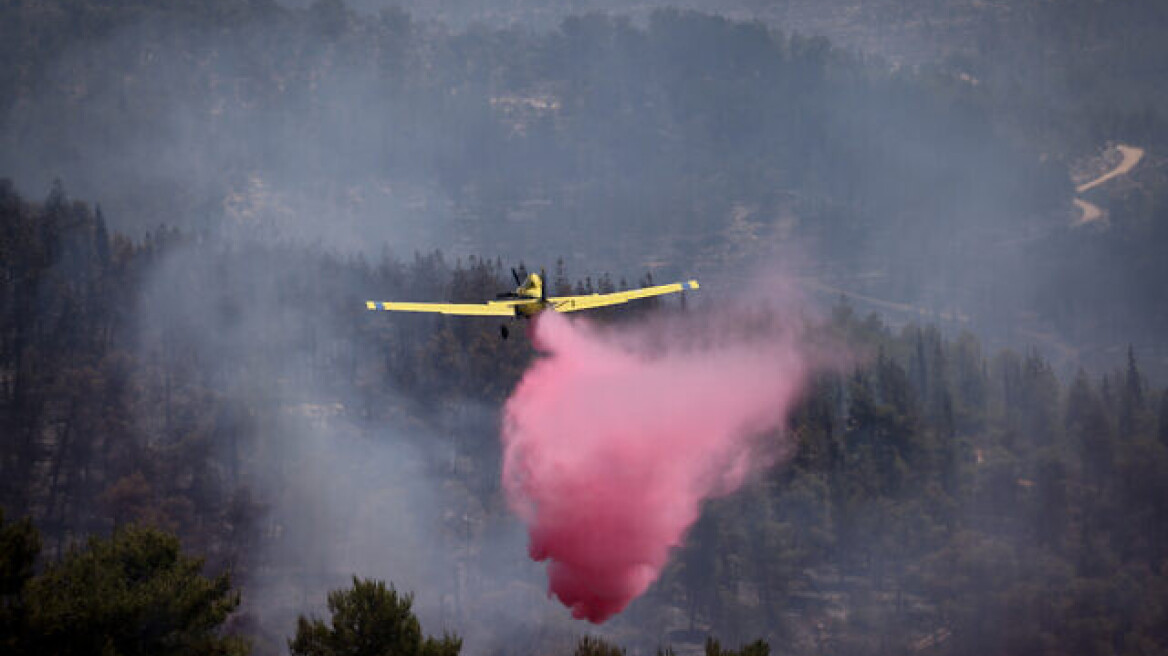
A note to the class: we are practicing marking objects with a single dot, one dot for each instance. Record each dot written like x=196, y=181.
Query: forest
x=671, y=143
x=207, y=445
x=940, y=495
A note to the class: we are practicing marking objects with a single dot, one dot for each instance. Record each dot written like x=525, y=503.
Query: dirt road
x=1091, y=212
x=1131, y=156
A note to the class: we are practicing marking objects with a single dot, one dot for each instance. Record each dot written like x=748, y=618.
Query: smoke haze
x=656, y=143
x=314, y=155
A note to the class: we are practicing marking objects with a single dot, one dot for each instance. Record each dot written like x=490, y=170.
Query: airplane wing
x=589, y=301
x=505, y=309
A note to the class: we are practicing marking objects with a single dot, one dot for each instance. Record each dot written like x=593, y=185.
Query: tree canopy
x=369, y=619
x=134, y=593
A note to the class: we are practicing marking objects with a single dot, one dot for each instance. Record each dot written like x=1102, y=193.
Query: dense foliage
x=135, y=593
x=678, y=140
x=938, y=496
x=619, y=143
x=942, y=495
x=369, y=619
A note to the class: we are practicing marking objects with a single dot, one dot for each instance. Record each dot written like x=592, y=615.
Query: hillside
x=963, y=201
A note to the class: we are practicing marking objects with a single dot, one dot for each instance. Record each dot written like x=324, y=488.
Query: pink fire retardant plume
x=609, y=452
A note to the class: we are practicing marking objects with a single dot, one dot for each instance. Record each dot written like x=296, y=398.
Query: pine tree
x=1131, y=399
x=369, y=619
x=1162, y=429
x=592, y=646
x=562, y=286
x=133, y=593
x=1089, y=431
x=20, y=543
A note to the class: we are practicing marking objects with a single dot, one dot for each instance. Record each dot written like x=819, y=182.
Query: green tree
x=1089, y=430
x=369, y=619
x=135, y=593
x=1131, y=397
x=756, y=648
x=19, y=545
x=590, y=646
x=1162, y=429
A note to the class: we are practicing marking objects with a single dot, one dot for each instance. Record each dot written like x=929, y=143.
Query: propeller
x=518, y=283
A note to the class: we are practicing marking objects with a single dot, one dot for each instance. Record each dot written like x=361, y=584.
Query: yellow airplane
x=529, y=299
